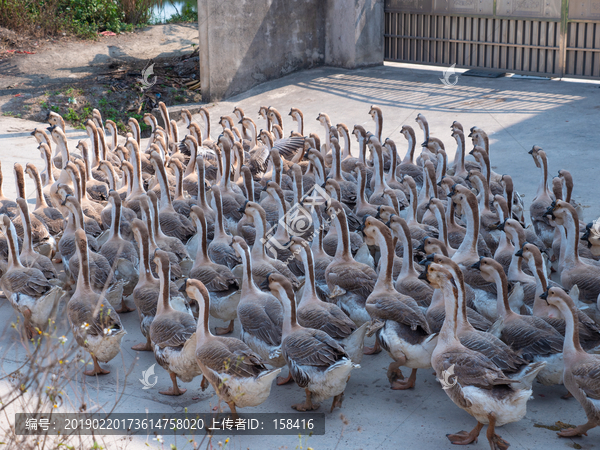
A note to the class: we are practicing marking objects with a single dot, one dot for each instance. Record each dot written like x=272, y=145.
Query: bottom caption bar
x=168, y=424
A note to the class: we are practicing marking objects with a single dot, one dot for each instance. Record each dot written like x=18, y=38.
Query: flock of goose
x=311, y=249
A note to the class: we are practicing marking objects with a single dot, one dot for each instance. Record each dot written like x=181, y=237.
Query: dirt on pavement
x=123, y=75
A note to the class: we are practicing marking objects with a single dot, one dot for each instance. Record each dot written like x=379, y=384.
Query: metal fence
x=539, y=37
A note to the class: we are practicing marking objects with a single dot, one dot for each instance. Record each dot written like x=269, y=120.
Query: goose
x=239, y=115
x=127, y=214
x=487, y=218
x=149, y=217
x=217, y=279
x=97, y=206
x=347, y=161
x=181, y=204
x=468, y=319
x=330, y=241
x=568, y=182
x=67, y=243
x=147, y=290
x=172, y=223
x=260, y=313
x=574, y=270
x=390, y=177
x=505, y=250
x=29, y=257
x=44, y=145
x=479, y=138
x=50, y=216
x=173, y=334
x=408, y=282
x=314, y=313
x=219, y=249
x=120, y=253
x=261, y=261
x=403, y=330
x=482, y=389
x=592, y=237
x=482, y=157
x=320, y=258
x=231, y=201
x=27, y=289
x=380, y=184
x=64, y=179
x=137, y=189
x=244, y=225
x=347, y=188
x=466, y=255
x=98, y=190
x=542, y=200
x=235, y=372
x=531, y=336
x=49, y=173
x=100, y=271
x=407, y=165
x=436, y=207
x=418, y=231
x=39, y=231
x=88, y=210
x=317, y=362
x=167, y=243
x=349, y=282
x=589, y=331
x=458, y=167
x=363, y=207
x=581, y=369
x=298, y=117
x=95, y=324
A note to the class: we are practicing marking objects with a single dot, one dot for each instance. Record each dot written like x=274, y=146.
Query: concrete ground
x=561, y=117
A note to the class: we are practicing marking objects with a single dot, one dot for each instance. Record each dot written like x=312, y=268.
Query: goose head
x=488, y=267
x=438, y=276
x=558, y=298
x=279, y=286
x=559, y=210
x=239, y=113
x=240, y=246
x=431, y=245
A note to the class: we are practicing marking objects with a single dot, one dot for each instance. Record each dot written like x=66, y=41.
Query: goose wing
x=587, y=377
x=494, y=349
x=29, y=281
x=358, y=278
x=532, y=338
x=231, y=356
x=288, y=147
x=329, y=318
x=404, y=311
x=263, y=321
x=173, y=329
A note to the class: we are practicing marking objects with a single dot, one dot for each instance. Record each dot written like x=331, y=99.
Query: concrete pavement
x=561, y=117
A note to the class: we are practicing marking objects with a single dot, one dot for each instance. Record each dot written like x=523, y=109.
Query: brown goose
x=7, y=206
x=219, y=249
x=482, y=389
x=91, y=216
x=29, y=257
x=27, y=289
x=316, y=361
x=167, y=243
x=147, y=291
x=582, y=370
x=217, y=278
x=319, y=315
x=173, y=334
x=542, y=200
x=403, y=330
x=98, y=190
x=245, y=383
x=259, y=312
x=95, y=324
x=172, y=223
x=52, y=217
x=349, y=281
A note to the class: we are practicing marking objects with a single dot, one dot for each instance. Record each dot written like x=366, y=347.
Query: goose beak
x=51, y=129
x=500, y=226
x=544, y=296
x=519, y=253
x=361, y=227
x=243, y=207
x=470, y=134
x=530, y=152
x=183, y=286
x=550, y=211
x=477, y=265
x=421, y=248
x=424, y=144
x=423, y=276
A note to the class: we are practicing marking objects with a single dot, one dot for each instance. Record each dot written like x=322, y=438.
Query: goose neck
x=343, y=247
x=310, y=291
x=163, y=305
x=384, y=279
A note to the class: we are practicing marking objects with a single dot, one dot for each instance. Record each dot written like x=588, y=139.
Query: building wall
x=247, y=42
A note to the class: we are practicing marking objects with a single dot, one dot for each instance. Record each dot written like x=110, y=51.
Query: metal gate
x=537, y=37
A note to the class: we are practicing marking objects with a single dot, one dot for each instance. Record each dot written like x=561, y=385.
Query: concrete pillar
x=354, y=33
x=247, y=42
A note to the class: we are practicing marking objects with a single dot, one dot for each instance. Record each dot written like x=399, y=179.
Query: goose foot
x=97, y=370
x=496, y=442
x=281, y=381
x=581, y=430
x=308, y=405
x=464, y=438
x=204, y=383
x=567, y=396
x=337, y=401
x=408, y=384
x=173, y=390
x=222, y=330
x=29, y=329
x=124, y=308
x=372, y=350
x=394, y=373
x=145, y=347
